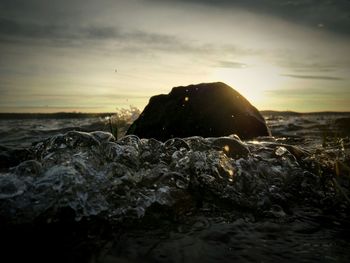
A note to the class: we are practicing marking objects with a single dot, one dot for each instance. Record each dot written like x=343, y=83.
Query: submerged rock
x=207, y=110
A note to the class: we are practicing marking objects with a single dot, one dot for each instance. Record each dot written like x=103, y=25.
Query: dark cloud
x=311, y=77
x=43, y=10
x=332, y=15
x=14, y=29
x=136, y=41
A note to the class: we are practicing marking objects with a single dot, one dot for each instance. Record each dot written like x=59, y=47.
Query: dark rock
x=176, y=143
x=10, y=157
x=231, y=147
x=207, y=109
x=343, y=124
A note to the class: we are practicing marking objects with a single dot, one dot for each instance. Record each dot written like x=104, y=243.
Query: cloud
x=306, y=66
x=331, y=15
x=128, y=41
x=339, y=92
x=64, y=10
x=14, y=29
x=311, y=77
x=231, y=64
x=64, y=35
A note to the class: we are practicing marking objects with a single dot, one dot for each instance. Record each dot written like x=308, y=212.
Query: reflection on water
x=86, y=196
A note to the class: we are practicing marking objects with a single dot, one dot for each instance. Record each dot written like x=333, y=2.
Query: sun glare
x=251, y=82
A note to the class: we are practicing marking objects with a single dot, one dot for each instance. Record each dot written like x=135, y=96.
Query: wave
x=80, y=177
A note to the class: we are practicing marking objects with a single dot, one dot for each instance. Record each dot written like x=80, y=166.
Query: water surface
x=85, y=196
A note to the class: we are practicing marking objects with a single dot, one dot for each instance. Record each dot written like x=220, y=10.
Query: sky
x=104, y=55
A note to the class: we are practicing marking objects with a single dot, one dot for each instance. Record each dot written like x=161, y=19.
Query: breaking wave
x=205, y=198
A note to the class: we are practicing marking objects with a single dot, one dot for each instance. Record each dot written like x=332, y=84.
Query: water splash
x=93, y=174
x=220, y=194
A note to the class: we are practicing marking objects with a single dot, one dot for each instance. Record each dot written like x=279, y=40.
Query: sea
x=74, y=188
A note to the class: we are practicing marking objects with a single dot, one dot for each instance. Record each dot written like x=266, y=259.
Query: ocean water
x=70, y=191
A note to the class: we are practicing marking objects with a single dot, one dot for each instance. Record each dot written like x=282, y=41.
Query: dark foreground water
x=83, y=196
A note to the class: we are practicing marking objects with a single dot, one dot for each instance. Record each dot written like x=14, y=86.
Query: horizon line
x=113, y=112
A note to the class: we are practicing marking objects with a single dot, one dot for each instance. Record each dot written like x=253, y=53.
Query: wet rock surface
x=207, y=109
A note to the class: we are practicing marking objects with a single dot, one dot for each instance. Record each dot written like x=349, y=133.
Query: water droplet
x=226, y=148
x=180, y=184
x=280, y=150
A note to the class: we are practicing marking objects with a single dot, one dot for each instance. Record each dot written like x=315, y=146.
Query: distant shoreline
x=81, y=115
x=295, y=113
x=57, y=115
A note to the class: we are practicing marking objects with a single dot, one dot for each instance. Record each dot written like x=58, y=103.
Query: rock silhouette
x=207, y=110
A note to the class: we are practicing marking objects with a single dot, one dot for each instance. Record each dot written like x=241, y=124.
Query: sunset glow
x=120, y=53
x=251, y=82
